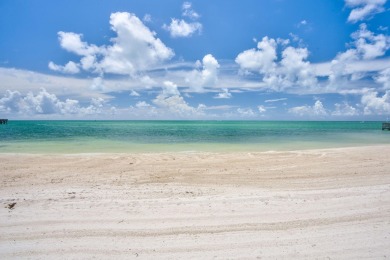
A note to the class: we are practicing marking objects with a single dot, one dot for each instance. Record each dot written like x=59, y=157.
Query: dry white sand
x=327, y=204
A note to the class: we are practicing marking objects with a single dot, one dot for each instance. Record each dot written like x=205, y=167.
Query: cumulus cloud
x=135, y=48
x=373, y=103
x=142, y=109
x=175, y=104
x=261, y=59
x=224, y=94
x=206, y=76
x=72, y=42
x=366, y=46
x=170, y=101
x=143, y=104
x=295, y=70
x=364, y=9
x=12, y=101
x=262, y=109
x=292, y=70
x=209, y=72
x=170, y=89
x=246, y=112
x=316, y=110
x=180, y=28
x=344, y=109
x=45, y=103
x=69, y=68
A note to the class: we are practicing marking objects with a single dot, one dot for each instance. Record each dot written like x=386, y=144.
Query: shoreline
x=297, y=204
x=309, y=149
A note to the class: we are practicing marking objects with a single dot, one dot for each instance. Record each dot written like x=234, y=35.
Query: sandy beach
x=325, y=204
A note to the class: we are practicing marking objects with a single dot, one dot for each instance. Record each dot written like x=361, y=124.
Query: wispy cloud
x=275, y=100
x=364, y=9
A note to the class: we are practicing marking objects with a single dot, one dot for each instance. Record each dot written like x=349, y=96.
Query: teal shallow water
x=167, y=136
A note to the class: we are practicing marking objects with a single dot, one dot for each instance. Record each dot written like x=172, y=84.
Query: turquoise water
x=166, y=136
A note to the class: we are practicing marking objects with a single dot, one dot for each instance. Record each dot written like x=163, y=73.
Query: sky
x=201, y=60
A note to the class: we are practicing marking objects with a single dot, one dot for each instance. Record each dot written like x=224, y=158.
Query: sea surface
x=172, y=136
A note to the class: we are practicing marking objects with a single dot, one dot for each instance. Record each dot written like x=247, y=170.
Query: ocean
x=185, y=136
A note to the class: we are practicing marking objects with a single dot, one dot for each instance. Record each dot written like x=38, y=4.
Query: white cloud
x=261, y=59
x=206, y=77
x=147, y=18
x=69, y=68
x=189, y=12
x=72, y=42
x=170, y=89
x=295, y=69
x=384, y=78
x=296, y=38
x=292, y=70
x=134, y=93
x=142, y=104
x=302, y=23
x=45, y=103
x=171, y=102
x=344, y=109
x=375, y=104
x=210, y=70
x=316, y=110
x=352, y=64
x=368, y=45
x=180, y=28
x=48, y=104
x=364, y=9
x=134, y=49
x=275, y=100
x=98, y=84
x=224, y=94
x=143, y=110
x=262, y=109
x=175, y=104
x=11, y=102
x=82, y=89
x=246, y=112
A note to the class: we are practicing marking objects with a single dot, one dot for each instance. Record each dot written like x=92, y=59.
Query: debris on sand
x=11, y=205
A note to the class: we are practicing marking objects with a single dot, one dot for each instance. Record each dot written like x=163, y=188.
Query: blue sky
x=251, y=60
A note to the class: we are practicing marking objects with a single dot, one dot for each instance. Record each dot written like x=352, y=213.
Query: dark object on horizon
x=385, y=126
x=3, y=121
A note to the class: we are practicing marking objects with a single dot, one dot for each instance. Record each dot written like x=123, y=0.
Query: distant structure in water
x=3, y=121
x=385, y=126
